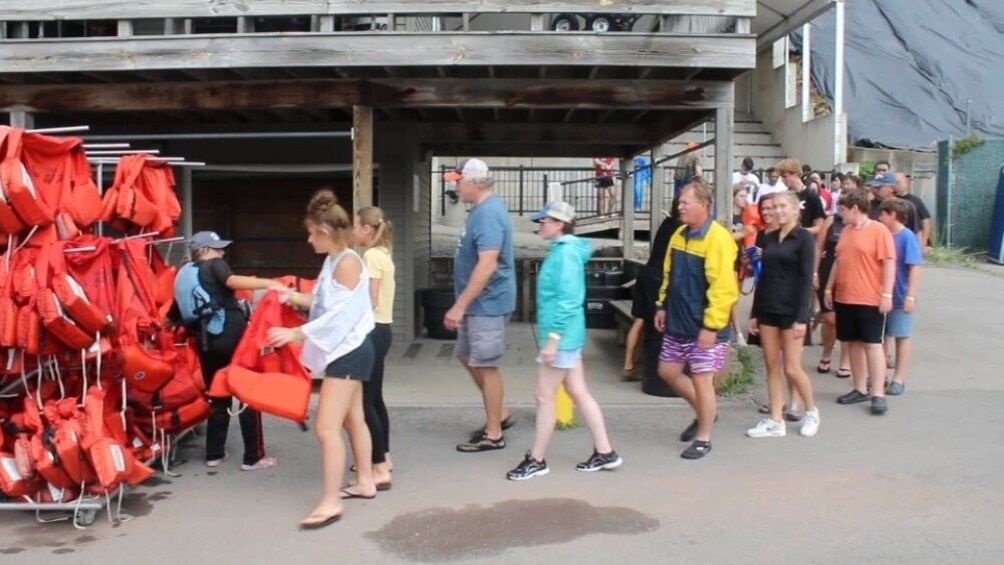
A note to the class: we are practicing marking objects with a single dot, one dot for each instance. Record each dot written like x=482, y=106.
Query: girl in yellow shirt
x=375, y=233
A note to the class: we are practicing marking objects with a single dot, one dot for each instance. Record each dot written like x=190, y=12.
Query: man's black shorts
x=859, y=323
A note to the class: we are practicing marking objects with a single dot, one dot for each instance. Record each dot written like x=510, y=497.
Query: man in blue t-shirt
x=894, y=213
x=484, y=275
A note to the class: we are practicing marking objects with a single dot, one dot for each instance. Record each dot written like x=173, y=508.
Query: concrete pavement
x=920, y=485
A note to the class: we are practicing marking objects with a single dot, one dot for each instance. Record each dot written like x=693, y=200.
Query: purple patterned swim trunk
x=686, y=352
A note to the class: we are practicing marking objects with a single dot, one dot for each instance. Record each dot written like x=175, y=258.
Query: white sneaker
x=767, y=428
x=810, y=423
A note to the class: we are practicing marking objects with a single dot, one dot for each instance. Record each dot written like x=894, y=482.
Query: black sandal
x=824, y=366
x=697, y=450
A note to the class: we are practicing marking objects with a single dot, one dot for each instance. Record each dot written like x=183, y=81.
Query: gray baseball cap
x=561, y=211
x=209, y=239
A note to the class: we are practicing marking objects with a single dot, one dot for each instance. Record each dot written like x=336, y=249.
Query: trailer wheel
x=599, y=24
x=565, y=22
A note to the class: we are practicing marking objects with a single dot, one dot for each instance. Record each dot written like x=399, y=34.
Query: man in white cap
x=484, y=274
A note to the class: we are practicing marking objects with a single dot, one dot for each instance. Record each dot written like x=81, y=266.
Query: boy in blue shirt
x=894, y=214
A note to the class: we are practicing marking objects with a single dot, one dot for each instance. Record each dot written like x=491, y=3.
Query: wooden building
x=282, y=97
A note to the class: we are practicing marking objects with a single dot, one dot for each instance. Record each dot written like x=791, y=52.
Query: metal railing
x=524, y=189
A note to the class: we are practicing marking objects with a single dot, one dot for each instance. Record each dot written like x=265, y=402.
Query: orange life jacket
x=112, y=461
x=19, y=186
x=136, y=311
x=12, y=482
x=183, y=388
x=178, y=419
x=298, y=284
x=85, y=199
x=125, y=204
x=158, y=187
x=69, y=290
x=149, y=369
x=62, y=176
x=10, y=223
x=67, y=441
x=270, y=380
x=94, y=270
x=50, y=275
x=8, y=307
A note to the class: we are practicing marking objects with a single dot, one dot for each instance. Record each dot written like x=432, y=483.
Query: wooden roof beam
x=392, y=93
x=264, y=50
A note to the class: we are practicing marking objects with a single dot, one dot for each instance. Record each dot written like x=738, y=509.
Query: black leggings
x=376, y=411
x=221, y=351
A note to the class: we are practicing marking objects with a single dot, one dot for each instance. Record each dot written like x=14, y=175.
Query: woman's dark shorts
x=781, y=321
x=356, y=365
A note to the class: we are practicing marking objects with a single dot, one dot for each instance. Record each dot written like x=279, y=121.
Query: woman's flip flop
x=327, y=521
x=347, y=494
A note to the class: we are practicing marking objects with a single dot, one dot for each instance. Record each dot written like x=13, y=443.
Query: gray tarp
x=911, y=65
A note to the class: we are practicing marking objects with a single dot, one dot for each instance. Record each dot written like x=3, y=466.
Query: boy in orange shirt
x=860, y=292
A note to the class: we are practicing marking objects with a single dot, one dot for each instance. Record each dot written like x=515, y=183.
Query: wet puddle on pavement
x=450, y=534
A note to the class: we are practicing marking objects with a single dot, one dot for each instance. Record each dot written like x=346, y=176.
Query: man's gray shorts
x=481, y=339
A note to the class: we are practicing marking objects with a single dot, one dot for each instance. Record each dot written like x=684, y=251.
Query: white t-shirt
x=340, y=317
x=751, y=181
x=767, y=188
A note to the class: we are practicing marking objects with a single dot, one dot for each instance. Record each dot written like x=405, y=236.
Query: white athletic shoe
x=810, y=423
x=767, y=428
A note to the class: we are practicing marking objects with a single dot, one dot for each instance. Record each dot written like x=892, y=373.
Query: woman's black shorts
x=781, y=321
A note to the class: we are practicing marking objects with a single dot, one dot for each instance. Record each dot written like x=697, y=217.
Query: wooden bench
x=622, y=313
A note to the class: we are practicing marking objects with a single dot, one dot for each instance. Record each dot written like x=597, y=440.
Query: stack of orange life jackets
x=100, y=383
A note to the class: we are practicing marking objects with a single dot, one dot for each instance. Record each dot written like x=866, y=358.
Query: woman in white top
x=337, y=345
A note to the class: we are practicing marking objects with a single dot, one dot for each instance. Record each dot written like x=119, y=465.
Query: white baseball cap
x=468, y=169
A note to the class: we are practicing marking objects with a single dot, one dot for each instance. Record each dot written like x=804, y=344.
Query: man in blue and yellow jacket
x=698, y=290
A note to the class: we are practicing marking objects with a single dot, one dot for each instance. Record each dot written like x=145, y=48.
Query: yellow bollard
x=565, y=408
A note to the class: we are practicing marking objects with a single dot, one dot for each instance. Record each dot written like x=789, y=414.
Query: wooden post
x=723, y=164
x=658, y=194
x=362, y=157
x=627, y=207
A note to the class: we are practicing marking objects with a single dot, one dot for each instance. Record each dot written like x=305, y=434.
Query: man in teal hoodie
x=561, y=334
